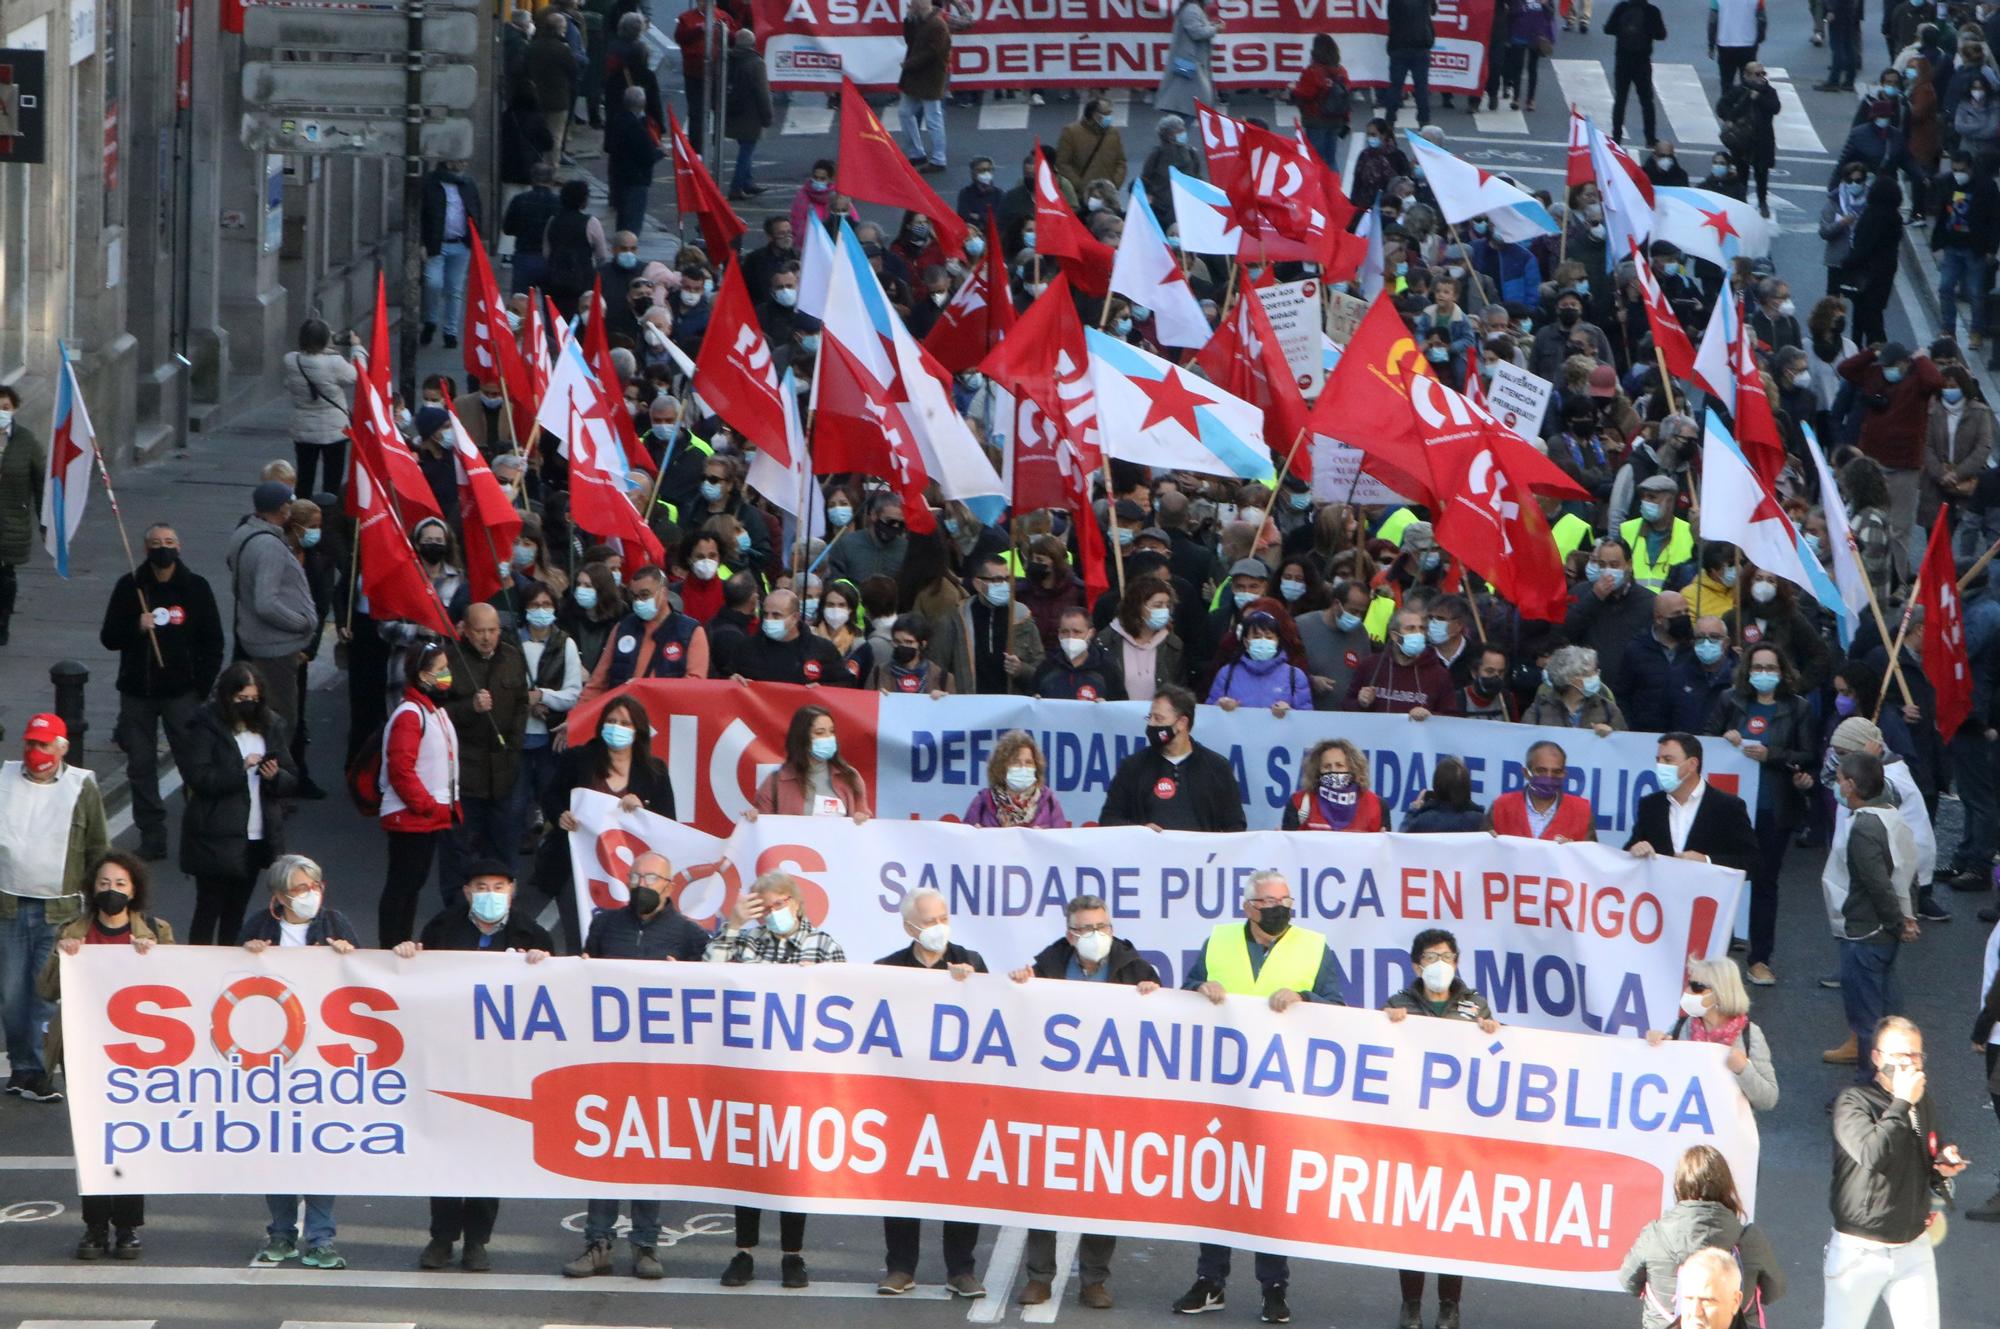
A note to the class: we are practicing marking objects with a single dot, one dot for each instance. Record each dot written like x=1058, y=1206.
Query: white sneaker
x=1036, y=99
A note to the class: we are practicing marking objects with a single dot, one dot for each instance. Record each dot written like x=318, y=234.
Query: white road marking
x=1584, y=85
x=88, y=1324
x=808, y=116
x=1066, y=1244
x=1678, y=90
x=348, y=1324
x=291, y=1275
x=37, y=1163
x=999, y=115
x=1793, y=129
x=1501, y=121
x=1000, y=1272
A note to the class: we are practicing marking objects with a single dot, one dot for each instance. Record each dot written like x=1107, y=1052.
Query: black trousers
x=452, y=1218
x=119, y=1211
x=791, y=1229
x=221, y=902
x=1773, y=838
x=324, y=464
x=1729, y=62
x=904, y=1238
x=411, y=854
x=1451, y=1287
x=1633, y=74
x=367, y=683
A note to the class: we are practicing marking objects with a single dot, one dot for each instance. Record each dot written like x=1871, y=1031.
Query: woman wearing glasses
x=1715, y=1008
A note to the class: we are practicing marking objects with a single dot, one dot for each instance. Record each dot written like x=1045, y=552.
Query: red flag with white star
x=1946, y=663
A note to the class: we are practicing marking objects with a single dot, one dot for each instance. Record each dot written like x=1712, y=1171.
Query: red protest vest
x=1573, y=820
x=1367, y=812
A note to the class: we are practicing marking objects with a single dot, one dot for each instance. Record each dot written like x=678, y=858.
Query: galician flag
x=1465, y=191
x=1171, y=419
x=1708, y=225
x=1148, y=273
x=72, y=450
x=1735, y=499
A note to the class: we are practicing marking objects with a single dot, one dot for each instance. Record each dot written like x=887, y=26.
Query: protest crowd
x=1034, y=437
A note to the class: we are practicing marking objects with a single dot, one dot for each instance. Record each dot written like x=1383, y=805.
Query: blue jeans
x=601, y=1221
x=741, y=179
x=1843, y=45
x=1961, y=275
x=1325, y=140
x=444, y=285
x=1416, y=67
x=1869, y=991
x=1211, y=1264
x=285, y=1218
x=1972, y=776
x=25, y=942
x=932, y=127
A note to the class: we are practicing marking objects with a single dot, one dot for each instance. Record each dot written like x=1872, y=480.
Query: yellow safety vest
x=1570, y=532
x=1679, y=549
x=1293, y=962
x=1394, y=525
x=1381, y=610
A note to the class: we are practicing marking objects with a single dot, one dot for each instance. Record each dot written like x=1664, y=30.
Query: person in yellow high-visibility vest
x=1661, y=544
x=1262, y=956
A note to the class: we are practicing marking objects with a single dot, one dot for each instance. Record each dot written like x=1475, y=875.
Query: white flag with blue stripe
x=1169, y=418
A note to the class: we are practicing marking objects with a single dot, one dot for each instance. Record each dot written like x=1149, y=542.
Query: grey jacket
x=1758, y=1081
x=1653, y=1264
x=322, y=392
x=274, y=610
x=1194, y=42
x=1874, y=903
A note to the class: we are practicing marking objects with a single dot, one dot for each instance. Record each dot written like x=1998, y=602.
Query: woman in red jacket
x=1323, y=99
x=815, y=779
x=1333, y=793
x=419, y=788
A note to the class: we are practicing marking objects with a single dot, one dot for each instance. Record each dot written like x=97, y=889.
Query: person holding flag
x=23, y=466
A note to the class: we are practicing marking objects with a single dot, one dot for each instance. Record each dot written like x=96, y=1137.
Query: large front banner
x=813, y=44
x=926, y=759
x=1577, y=937
x=851, y=1089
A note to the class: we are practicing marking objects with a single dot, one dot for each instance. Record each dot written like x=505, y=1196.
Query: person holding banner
x=419, y=787
x=1439, y=992
x=1087, y=952
x=1334, y=793
x=1076, y=670
x=1543, y=808
x=1263, y=956
x=1268, y=669
x=619, y=761
x=814, y=779
x=770, y=926
x=1689, y=818
x=653, y=640
x=1174, y=783
x=1715, y=1008
x=1405, y=677
x=1575, y=696
x=927, y=920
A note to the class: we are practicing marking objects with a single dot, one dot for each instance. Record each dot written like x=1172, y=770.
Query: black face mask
x=1273, y=919
x=1679, y=630
x=642, y=304
x=247, y=710
x=1041, y=571
x=163, y=558
x=644, y=900
x=904, y=654
x=886, y=531
x=431, y=553
x=1161, y=734
x=1568, y=317
x=1486, y=685
x=112, y=902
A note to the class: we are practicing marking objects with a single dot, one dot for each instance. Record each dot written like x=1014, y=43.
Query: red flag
x=1488, y=521
x=394, y=584
x=376, y=439
x=1059, y=234
x=1366, y=401
x=597, y=354
x=491, y=355
x=536, y=368
x=733, y=370
x=979, y=315
x=596, y=501
x=1045, y=365
x=1222, y=142
x=857, y=426
x=1280, y=198
x=874, y=170
x=488, y=522
x=1475, y=386
x=1756, y=427
x=1581, y=172
x=1668, y=334
x=1945, y=662
x=1243, y=358
x=695, y=191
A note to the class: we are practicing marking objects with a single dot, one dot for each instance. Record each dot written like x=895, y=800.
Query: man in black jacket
x=927, y=919
x=1636, y=24
x=484, y=920
x=449, y=217
x=632, y=151
x=527, y=221
x=649, y=927
x=1888, y=1157
x=1087, y=952
x=1688, y=817
x=1606, y=611
x=163, y=623
x=781, y=652
x=1411, y=36
x=1174, y=783
x=1644, y=683
x=488, y=706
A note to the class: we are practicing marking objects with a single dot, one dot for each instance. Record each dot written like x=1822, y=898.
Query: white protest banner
x=1520, y=399
x=1293, y=308
x=1338, y=477
x=924, y=758
x=1318, y=1132
x=1573, y=936
x=1344, y=313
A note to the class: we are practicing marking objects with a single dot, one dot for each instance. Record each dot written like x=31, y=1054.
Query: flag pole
x=1975, y=569
x=353, y=576
x=111, y=497
x=1478, y=285
x=1666, y=380
x=1895, y=657
x=1278, y=486
x=1882, y=626
x=1111, y=511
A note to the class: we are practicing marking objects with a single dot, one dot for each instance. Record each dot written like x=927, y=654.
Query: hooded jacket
x=1652, y=1266
x=273, y=602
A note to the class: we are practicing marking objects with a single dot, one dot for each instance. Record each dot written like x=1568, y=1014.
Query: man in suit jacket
x=1688, y=817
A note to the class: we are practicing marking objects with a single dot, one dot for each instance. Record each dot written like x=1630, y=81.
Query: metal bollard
x=70, y=678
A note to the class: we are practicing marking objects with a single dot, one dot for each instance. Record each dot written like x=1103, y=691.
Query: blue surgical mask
x=839, y=515
x=1708, y=652
x=617, y=736
x=628, y=259
x=1893, y=374
x=951, y=526
x=1104, y=122
x=1291, y=589
x=1349, y=621
x=1402, y=268
x=1617, y=577
x=1301, y=500
x=1728, y=577
x=809, y=343
x=489, y=906
x=1952, y=397
x=1413, y=643
x=1668, y=773
x=825, y=749
x=1437, y=631
x=1242, y=598
x=811, y=607
x=586, y=597
x=1591, y=685
x=1764, y=681
x=1123, y=327
x=1582, y=288
x=1431, y=560
x=1812, y=543
x=711, y=491
x=1158, y=618
x=1591, y=571
x=309, y=537
x=774, y=628
x=1261, y=648
x=646, y=610
x=996, y=594
x=541, y=616
x=1020, y=779
x=1651, y=510
x=743, y=542
x=1374, y=140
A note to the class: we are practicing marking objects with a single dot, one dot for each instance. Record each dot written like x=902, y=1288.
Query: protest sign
x=1338, y=477
x=813, y=44
x=1344, y=313
x=1559, y=936
x=1293, y=308
x=926, y=758
x=854, y=1089
x=1520, y=399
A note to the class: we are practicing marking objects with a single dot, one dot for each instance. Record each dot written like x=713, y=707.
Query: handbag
x=1545, y=47
x=1182, y=67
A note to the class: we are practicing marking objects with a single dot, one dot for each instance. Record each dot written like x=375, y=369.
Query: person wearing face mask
x=480, y=917
x=927, y=921
x=878, y=546
x=1552, y=343
x=843, y=623
x=1644, y=685
x=1087, y=952
x=297, y=916
x=979, y=197
x=908, y=668
x=1747, y=110
x=1172, y=152
x=1078, y=669
x=162, y=620
x=419, y=787
x=1404, y=677
x=1872, y=263
x=781, y=651
x=1715, y=1008
x=649, y=927
x=1669, y=1266
x=1333, y=793
x=1141, y=648
x=652, y=640
x=617, y=760
x=487, y=704
x=1543, y=808
x=1016, y=791
x=1576, y=695
x=237, y=781
x=589, y=613
x=1771, y=616
x=1268, y=957
x=1173, y=783
x=1380, y=161
x=1092, y=148
x=1660, y=544
x=1958, y=444
x=117, y=895
x=1263, y=665
x=272, y=602
x=814, y=779
x=555, y=675
x=1686, y=817
x=771, y=925
x=1774, y=317
x=1335, y=640
x=1606, y=611
x=1701, y=676
x=721, y=494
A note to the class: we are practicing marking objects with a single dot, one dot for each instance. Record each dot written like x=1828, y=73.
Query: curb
x=1917, y=261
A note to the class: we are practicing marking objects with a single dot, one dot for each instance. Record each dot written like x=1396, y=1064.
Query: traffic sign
x=358, y=31
x=354, y=135
x=356, y=88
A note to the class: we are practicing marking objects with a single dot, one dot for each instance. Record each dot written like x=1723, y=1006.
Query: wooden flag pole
x=1881, y=627
x=353, y=577
x=1976, y=568
x=1111, y=511
x=1895, y=657
x=1278, y=486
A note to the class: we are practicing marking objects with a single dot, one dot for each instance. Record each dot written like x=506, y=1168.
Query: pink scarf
x=1732, y=1029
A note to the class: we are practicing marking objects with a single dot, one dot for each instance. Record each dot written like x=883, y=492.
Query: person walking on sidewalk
x=1635, y=25
x=275, y=617
x=1188, y=78
x=23, y=467
x=631, y=152
x=1964, y=231
x=169, y=651
x=450, y=215
x=749, y=112
x=926, y=72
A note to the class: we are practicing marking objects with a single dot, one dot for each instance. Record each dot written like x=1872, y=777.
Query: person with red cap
x=41, y=885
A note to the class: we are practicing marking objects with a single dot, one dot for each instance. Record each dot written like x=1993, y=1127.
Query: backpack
x=1336, y=103
x=364, y=774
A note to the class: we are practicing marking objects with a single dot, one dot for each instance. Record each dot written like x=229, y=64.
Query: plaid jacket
x=808, y=945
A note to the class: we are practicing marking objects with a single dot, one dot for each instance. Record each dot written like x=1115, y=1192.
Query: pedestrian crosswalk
x=1684, y=95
